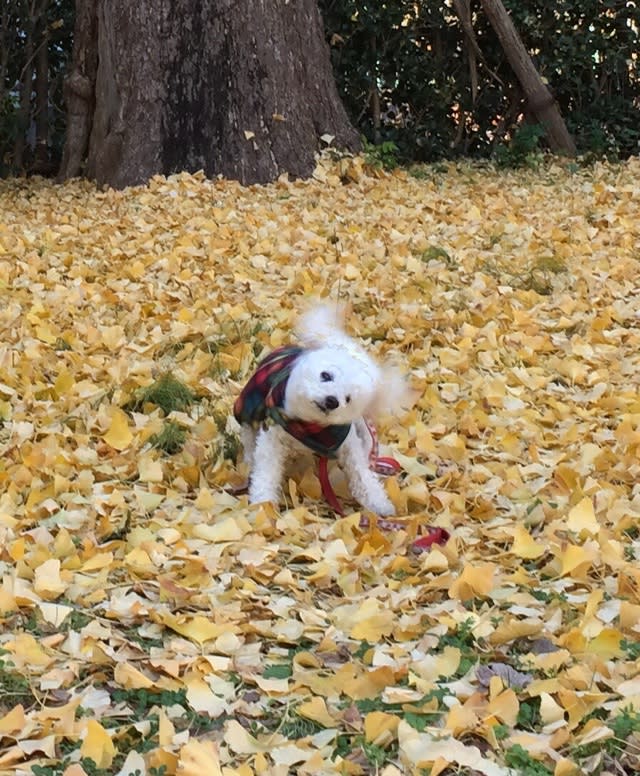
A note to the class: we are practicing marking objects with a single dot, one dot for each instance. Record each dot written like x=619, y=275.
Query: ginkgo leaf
x=550, y=711
x=199, y=758
x=202, y=699
x=26, y=650
x=431, y=666
x=225, y=531
x=380, y=727
x=368, y=684
x=368, y=621
x=13, y=721
x=48, y=582
x=575, y=559
x=582, y=518
x=75, y=769
x=199, y=628
x=139, y=581
x=98, y=560
x=316, y=710
x=118, y=435
x=166, y=729
x=239, y=739
x=524, y=545
x=150, y=470
x=54, y=613
x=97, y=745
x=419, y=750
x=505, y=706
x=460, y=719
x=130, y=677
x=607, y=644
x=474, y=581
x=134, y=763
x=566, y=767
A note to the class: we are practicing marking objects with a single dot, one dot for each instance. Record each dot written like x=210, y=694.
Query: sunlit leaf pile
x=154, y=623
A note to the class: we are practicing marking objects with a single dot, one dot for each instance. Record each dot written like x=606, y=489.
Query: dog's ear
x=320, y=324
x=393, y=396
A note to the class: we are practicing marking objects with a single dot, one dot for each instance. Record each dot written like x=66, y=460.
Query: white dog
x=317, y=396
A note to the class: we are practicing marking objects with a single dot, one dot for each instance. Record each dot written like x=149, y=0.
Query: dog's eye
x=326, y=377
x=347, y=399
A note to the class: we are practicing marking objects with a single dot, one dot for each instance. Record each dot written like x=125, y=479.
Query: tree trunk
x=5, y=21
x=463, y=11
x=232, y=87
x=23, y=114
x=41, y=161
x=79, y=89
x=375, y=92
x=539, y=98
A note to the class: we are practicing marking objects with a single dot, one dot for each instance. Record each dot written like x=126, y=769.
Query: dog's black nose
x=330, y=403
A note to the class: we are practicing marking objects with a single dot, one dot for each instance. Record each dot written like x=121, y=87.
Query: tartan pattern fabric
x=263, y=396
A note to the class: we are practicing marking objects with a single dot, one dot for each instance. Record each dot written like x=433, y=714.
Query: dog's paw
x=261, y=495
x=381, y=507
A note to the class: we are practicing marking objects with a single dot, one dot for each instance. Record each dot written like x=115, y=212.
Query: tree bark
x=232, y=87
x=375, y=92
x=463, y=11
x=26, y=87
x=5, y=21
x=539, y=98
x=41, y=161
x=79, y=89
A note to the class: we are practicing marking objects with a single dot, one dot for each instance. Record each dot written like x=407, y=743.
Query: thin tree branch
x=463, y=11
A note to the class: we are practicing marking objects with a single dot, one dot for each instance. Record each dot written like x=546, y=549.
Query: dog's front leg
x=364, y=484
x=269, y=458
x=248, y=439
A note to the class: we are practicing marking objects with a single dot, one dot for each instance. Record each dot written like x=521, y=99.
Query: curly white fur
x=333, y=382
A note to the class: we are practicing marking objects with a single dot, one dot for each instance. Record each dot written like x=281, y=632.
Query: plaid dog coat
x=262, y=400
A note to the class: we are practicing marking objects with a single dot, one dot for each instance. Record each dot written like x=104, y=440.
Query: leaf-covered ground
x=152, y=622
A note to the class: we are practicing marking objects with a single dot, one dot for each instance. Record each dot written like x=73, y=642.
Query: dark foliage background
x=417, y=56
x=409, y=78
x=33, y=33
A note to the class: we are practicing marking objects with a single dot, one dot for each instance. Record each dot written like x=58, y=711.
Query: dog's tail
x=322, y=324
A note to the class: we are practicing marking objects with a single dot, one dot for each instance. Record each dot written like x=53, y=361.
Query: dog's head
x=332, y=386
x=335, y=381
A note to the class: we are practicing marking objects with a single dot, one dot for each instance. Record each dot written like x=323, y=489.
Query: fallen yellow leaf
x=198, y=628
x=582, y=519
x=524, y=545
x=380, y=727
x=119, y=435
x=97, y=745
x=199, y=758
x=13, y=721
x=316, y=710
x=48, y=583
x=475, y=581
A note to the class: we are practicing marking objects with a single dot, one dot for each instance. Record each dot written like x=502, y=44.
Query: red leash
x=380, y=464
x=327, y=489
x=384, y=466
x=434, y=535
